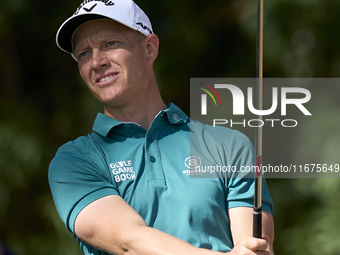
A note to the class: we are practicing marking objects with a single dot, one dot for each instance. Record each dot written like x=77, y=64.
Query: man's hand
x=252, y=246
x=241, y=223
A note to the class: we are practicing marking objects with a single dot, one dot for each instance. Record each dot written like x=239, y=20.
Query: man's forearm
x=149, y=241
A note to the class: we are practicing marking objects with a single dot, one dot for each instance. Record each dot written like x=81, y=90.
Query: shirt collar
x=103, y=123
x=175, y=115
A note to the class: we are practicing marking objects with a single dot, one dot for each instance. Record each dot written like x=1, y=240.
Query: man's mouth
x=106, y=78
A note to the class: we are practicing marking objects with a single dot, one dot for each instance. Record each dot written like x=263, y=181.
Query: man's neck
x=142, y=112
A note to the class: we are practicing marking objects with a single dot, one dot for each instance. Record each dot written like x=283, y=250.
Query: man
x=122, y=189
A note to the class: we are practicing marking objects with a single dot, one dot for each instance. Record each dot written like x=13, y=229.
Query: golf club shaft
x=257, y=224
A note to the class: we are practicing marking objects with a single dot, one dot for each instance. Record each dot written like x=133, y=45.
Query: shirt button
x=150, y=139
x=152, y=159
x=128, y=126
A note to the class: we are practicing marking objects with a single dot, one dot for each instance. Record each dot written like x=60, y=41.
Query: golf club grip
x=257, y=224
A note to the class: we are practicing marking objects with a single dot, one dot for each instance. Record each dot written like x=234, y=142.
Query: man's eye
x=84, y=54
x=111, y=43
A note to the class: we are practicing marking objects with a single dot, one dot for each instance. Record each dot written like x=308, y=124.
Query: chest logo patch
x=191, y=163
x=123, y=170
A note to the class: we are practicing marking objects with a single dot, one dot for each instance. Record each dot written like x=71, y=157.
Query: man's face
x=112, y=60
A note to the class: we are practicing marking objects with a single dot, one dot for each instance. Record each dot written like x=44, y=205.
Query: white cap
x=125, y=12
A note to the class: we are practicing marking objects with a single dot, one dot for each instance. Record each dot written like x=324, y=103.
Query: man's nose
x=99, y=59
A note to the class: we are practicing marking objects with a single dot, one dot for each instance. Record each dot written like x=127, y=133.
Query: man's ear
x=152, y=45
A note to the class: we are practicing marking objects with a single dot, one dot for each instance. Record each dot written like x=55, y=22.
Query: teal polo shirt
x=155, y=171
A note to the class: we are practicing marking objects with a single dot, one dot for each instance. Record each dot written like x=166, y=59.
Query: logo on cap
x=144, y=27
x=106, y=2
x=90, y=10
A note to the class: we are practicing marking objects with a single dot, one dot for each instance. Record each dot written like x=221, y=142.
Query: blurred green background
x=44, y=104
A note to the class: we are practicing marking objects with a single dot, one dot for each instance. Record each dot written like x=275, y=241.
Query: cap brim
x=65, y=33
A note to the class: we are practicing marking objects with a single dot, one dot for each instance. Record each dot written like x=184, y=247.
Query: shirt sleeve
x=77, y=176
x=240, y=183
